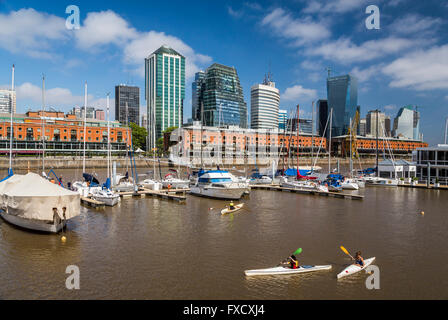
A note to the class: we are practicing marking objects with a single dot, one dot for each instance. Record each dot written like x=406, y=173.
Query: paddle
x=346, y=252
x=297, y=252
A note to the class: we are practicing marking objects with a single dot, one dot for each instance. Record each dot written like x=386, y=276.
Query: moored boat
x=217, y=184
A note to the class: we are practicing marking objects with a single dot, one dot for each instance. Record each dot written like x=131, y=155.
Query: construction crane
x=350, y=140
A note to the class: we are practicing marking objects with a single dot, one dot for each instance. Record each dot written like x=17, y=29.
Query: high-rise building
x=322, y=116
x=342, y=94
x=407, y=124
x=7, y=101
x=90, y=113
x=164, y=91
x=127, y=97
x=144, y=122
x=264, y=105
x=196, y=88
x=100, y=114
x=222, y=97
x=362, y=127
x=282, y=119
x=371, y=122
x=387, y=126
x=305, y=125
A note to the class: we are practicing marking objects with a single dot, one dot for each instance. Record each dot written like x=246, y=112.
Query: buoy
x=422, y=213
x=63, y=239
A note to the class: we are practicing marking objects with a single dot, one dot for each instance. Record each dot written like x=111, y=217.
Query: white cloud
x=415, y=24
x=146, y=43
x=234, y=13
x=366, y=74
x=420, y=70
x=345, y=51
x=298, y=92
x=54, y=97
x=104, y=27
x=300, y=31
x=29, y=32
x=390, y=107
x=334, y=6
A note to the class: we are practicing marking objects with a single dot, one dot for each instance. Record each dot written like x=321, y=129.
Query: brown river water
x=150, y=248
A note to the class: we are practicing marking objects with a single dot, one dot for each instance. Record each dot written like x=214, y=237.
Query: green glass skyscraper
x=164, y=91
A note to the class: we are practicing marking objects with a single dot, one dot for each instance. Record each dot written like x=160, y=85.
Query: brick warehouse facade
x=64, y=133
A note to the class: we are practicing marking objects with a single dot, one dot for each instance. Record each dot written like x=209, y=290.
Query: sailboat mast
x=376, y=111
x=85, y=129
x=329, y=143
x=108, y=137
x=297, y=153
x=43, y=124
x=11, y=134
x=351, y=152
x=312, y=136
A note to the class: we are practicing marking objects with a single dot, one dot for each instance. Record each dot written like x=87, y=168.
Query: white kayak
x=351, y=269
x=285, y=270
x=228, y=210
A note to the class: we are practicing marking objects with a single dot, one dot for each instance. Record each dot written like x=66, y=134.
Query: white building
x=7, y=98
x=265, y=101
x=432, y=163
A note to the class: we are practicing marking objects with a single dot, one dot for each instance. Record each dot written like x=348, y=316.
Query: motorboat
x=349, y=184
x=303, y=185
x=172, y=182
x=260, y=180
x=151, y=184
x=107, y=196
x=34, y=203
x=217, y=184
x=378, y=181
x=123, y=183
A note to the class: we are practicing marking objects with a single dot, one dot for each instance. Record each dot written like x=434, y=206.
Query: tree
x=139, y=135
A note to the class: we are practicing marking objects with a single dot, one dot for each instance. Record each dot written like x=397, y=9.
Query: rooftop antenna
x=328, y=71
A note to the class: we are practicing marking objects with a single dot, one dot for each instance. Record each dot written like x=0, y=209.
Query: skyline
x=403, y=63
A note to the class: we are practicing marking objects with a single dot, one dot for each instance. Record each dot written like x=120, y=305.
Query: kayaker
x=293, y=262
x=231, y=206
x=359, y=261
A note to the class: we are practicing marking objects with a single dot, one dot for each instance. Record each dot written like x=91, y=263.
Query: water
x=155, y=249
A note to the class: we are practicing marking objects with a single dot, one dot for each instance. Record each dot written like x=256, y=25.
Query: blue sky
x=404, y=62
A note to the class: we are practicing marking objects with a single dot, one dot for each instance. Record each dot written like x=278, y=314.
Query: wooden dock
x=274, y=187
x=172, y=194
x=423, y=186
x=92, y=203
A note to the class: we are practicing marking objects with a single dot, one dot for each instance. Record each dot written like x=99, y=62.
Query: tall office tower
x=127, y=96
x=282, y=119
x=387, y=126
x=407, y=124
x=90, y=113
x=222, y=97
x=371, y=124
x=342, y=94
x=305, y=125
x=264, y=105
x=196, y=88
x=322, y=116
x=362, y=127
x=164, y=91
x=144, y=122
x=7, y=101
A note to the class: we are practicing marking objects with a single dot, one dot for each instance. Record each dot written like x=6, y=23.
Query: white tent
x=33, y=197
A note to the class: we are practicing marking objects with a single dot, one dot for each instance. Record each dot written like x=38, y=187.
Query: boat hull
x=218, y=193
x=108, y=201
x=34, y=225
x=228, y=211
x=352, y=269
x=282, y=270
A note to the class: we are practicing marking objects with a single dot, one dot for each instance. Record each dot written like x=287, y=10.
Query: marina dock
x=274, y=187
x=92, y=203
x=423, y=186
x=172, y=194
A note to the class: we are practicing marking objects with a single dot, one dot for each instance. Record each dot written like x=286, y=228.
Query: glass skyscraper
x=407, y=124
x=222, y=97
x=196, y=88
x=342, y=97
x=282, y=119
x=164, y=91
x=264, y=105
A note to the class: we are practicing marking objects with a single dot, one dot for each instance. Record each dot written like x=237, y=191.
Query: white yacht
x=378, y=181
x=260, y=180
x=218, y=184
x=302, y=185
x=349, y=184
x=175, y=183
x=107, y=196
x=151, y=184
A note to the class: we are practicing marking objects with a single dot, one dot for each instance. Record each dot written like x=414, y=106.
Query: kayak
x=228, y=210
x=285, y=270
x=351, y=269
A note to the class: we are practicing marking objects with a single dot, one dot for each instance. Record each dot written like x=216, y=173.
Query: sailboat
x=104, y=194
x=32, y=202
x=300, y=182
